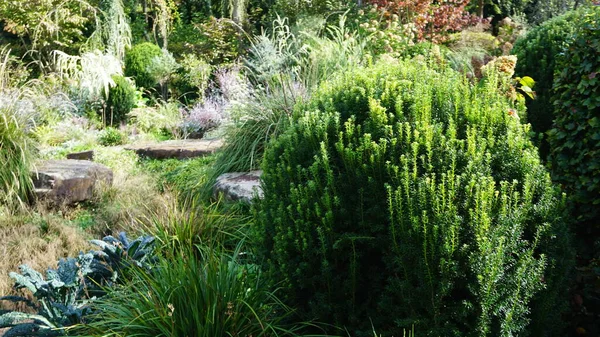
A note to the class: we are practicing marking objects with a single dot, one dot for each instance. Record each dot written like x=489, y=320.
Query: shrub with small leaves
x=403, y=196
x=137, y=62
x=121, y=99
x=111, y=136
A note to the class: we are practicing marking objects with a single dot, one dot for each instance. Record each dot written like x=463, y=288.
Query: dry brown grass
x=38, y=240
x=133, y=194
x=41, y=235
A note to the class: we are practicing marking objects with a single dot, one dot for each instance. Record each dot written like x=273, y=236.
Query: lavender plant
x=203, y=117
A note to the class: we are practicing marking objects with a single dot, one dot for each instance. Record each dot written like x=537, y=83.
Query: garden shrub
x=537, y=54
x=575, y=136
x=137, y=63
x=406, y=196
x=111, y=136
x=121, y=99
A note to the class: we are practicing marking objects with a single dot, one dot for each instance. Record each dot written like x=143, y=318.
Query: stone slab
x=69, y=181
x=243, y=186
x=178, y=149
x=84, y=155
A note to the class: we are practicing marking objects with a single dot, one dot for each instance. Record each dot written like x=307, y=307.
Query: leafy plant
x=137, y=62
x=162, y=119
x=45, y=26
x=195, y=73
x=162, y=68
x=433, y=21
x=64, y=295
x=407, y=196
x=221, y=41
x=90, y=73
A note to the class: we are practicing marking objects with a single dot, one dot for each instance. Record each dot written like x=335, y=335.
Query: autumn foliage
x=433, y=20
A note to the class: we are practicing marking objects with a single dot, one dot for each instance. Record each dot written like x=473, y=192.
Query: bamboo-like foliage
x=405, y=195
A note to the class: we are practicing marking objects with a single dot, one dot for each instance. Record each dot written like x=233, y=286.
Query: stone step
x=243, y=186
x=69, y=181
x=178, y=149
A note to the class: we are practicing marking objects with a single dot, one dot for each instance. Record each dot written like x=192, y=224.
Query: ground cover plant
x=387, y=201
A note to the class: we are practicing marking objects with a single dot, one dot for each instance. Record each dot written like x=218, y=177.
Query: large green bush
x=537, y=54
x=138, y=60
x=406, y=196
x=575, y=136
x=120, y=101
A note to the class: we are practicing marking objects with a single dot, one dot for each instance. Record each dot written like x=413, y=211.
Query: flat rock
x=179, y=149
x=243, y=186
x=85, y=155
x=69, y=181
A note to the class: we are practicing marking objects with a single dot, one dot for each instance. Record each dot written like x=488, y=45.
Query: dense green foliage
x=575, y=136
x=138, y=60
x=537, y=54
x=404, y=196
x=120, y=101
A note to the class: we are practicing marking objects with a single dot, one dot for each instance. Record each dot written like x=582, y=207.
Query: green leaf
x=527, y=81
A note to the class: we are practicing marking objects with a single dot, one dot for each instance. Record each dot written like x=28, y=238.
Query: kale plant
x=62, y=297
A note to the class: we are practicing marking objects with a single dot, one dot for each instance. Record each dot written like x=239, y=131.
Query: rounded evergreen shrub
x=111, y=137
x=120, y=101
x=138, y=60
x=537, y=54
x=575, y=136
x=406, y=196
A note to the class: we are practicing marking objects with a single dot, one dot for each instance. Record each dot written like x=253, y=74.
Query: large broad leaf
x=29, y=278
x=14, y=318
x=527, y=81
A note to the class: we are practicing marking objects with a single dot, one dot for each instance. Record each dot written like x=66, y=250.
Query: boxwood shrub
x=137, y=62
x=404, y=196
x=120, y=101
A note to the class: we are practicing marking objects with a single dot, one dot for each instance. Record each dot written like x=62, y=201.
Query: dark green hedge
x=537, y=54
x=575, y=136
